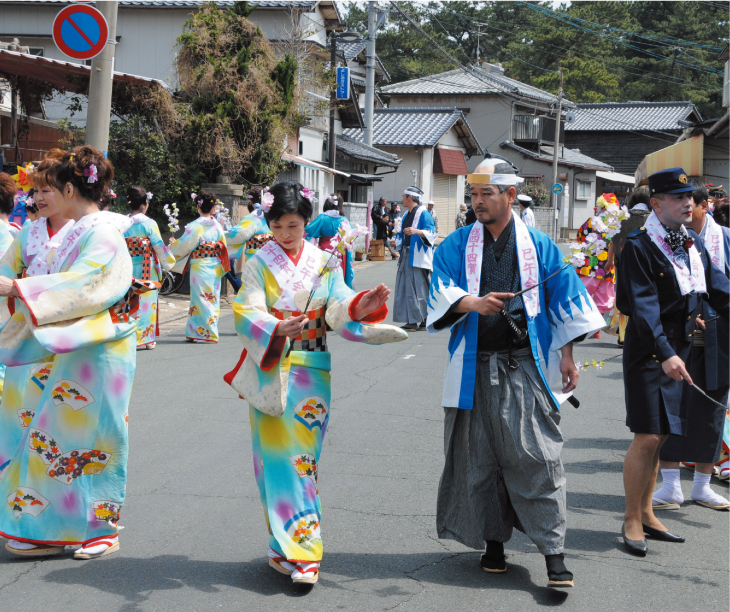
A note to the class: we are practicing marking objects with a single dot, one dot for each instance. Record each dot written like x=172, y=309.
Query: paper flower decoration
x=172, y=211
x=24, y=177
x=149, y=196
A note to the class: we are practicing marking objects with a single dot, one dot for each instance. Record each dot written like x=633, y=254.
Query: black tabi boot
x=493, y=561
x=558, y=575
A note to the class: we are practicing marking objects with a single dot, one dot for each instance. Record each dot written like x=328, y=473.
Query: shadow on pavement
x=598, y=444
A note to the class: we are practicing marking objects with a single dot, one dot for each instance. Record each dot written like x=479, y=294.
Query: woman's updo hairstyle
x=206, y=201
x=288, y=199
x=7, y=193
x=53, y=157
x=136, y=196
x=76, y=168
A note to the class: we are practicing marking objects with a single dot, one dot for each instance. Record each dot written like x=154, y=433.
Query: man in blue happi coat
x=510, y=366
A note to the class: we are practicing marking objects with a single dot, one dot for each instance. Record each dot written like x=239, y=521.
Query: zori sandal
x=279, y=563
x=305, y=573
x=98, y=548
x=26, y=549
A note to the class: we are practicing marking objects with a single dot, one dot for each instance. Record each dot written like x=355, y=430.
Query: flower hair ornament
x=90, y=174
x=267, y=199
x=111, y=192
x=24, y=177
x=307, y=193
x=192, y=195
x=149, y=196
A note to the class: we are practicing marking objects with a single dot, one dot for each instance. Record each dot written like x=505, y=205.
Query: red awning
x=56, y=72
x=447, y=161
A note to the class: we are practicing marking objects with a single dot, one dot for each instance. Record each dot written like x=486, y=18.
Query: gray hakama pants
x=503, y=467
x=410, y=303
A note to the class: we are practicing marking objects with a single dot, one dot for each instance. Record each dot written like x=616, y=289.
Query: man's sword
x=568, y=265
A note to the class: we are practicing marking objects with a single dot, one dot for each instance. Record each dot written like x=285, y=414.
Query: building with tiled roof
x=435, y=145
x=623, y=133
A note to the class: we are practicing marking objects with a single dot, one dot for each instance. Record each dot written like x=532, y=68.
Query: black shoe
x=493, y=561
x=410, y=326
x=558, y=575
x=665, y=536
x=635, y=547
x=422, y=326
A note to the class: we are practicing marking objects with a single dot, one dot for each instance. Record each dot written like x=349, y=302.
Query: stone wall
x=357, y=215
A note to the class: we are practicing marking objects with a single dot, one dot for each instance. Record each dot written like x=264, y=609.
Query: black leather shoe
x=664, y=536
x=410, y=327
x=635, y=547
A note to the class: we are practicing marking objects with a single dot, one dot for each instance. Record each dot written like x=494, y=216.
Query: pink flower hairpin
x=267, y=199
x=91, y=174
x=307, y=193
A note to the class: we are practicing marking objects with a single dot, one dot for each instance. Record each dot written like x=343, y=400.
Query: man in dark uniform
x=664, y=273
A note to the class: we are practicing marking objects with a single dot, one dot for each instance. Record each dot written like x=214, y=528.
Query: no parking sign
x=80, y=31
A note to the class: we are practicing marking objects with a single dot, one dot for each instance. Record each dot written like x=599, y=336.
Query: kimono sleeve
x=98, y=278
x=316, y=228
x=340, y=315
x=164, y=256
x=718, y=286
x=428, y=227
x=6, y=238
x=254, y=325
x=241, y=233
x=571, y=310
x=12, y=262
x=445, y=292
x=183, y=246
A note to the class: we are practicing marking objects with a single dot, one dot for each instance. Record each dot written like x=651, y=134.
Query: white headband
x=494, y=179
x=412, y=193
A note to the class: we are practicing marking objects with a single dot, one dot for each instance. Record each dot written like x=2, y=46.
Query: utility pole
x=333, y=100
x=479, y=36
x=556, y=154
x=100, y=83
x=370, y=73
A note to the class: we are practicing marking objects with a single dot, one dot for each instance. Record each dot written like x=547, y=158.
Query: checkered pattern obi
x=139, y=246
x=257, y=241
x=208, y=249
x=313, y=336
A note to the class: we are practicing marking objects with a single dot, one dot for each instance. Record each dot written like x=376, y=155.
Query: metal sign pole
x=100, y=84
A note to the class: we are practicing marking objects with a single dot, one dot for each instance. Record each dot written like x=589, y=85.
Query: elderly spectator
x=434, y=214
x=461, y=217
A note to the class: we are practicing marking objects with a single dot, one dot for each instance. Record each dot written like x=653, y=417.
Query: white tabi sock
x=701, y=490
x=671, y=490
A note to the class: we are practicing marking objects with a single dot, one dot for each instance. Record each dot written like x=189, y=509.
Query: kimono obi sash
x=257, y=241
x=313, y=336
x=204, y=250
x=139, y=246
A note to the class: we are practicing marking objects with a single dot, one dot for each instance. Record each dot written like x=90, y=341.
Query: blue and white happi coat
x=420, y=253
x=557, y=312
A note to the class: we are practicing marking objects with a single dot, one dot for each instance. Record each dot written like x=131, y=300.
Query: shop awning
x=615, y=177
x=57, y=72
x=303, y=161
x=365, y=178
x=688, y=154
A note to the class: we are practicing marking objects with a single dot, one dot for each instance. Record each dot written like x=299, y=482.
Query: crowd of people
x=79, y=297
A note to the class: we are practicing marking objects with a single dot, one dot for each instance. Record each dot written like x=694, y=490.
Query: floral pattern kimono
x=251, y=233
x=287, y=384
x=65, y=481
x=202, y=247
x=151, y=258
x=325, y=232
x=27, y=256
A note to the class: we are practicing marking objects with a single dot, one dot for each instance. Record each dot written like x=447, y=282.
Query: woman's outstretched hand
x=371, y=301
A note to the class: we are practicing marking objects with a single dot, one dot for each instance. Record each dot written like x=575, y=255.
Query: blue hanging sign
x=343, y=84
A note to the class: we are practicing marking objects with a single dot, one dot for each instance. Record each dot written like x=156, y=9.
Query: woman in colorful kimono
x=251, y=233
x=7, y=203
x=151, y=258
x=288, y=296
x=324, y=231
x=65, y=483
x=28, y=256
x=203, y=247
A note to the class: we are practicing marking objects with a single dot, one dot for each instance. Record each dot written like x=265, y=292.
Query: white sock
x=93, y=548
x=671, y=490
x=285, y=564
x=305, y=567
x=701, y=490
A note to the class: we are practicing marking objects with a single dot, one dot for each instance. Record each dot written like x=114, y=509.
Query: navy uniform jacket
x=661, y=323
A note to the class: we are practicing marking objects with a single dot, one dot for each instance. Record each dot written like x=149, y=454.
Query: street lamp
x=347, y=37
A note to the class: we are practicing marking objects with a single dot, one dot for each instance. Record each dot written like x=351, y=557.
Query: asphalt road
x=195, y=536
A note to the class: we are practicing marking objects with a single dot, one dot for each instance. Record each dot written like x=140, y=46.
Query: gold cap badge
x=683, y=179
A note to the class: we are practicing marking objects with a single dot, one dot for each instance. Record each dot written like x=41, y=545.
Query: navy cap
x=671, y=180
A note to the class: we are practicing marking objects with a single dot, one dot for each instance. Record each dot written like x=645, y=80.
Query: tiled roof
x=416, y=127
x=472, y=80
x=360, y=150
x=625, y=116
x=351, y=50
x=570, y=157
